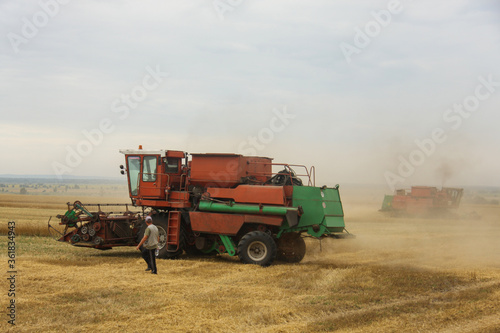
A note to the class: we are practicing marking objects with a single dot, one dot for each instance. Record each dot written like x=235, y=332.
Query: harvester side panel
x=227, y=224
x=321, y=206
x=215, y=223
x=399, y=202
x=270, y=195
x=423, y=191
x=417, y=205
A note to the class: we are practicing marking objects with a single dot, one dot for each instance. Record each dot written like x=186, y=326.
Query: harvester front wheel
x=162, y=251
x=257, y=247
x=291, y=247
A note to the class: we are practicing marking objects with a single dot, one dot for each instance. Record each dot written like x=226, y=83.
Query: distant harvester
x=422, y=200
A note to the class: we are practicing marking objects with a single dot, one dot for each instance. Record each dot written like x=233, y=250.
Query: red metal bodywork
x=105, y=231
x=250, y=194
x=218, y=176
x=228, y=170
x=171, y=185
x=227, y=224
x=421, y=199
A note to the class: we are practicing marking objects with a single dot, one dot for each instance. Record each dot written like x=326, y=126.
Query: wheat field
x=398, y=274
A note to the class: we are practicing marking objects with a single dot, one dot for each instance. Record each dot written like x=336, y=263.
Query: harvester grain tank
x=214, y=203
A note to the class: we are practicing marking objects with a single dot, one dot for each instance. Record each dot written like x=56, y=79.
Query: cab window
x=171, y=164
x=149, y=164
x=134, y=168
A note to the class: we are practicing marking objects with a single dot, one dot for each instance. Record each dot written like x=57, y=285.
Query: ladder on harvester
x=173, y=231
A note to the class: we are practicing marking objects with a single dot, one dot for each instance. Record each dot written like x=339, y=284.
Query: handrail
x=312, y=171
x=310, y=182
x=185, y=182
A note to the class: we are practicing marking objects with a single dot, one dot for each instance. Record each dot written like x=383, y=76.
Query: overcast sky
x=380, y=92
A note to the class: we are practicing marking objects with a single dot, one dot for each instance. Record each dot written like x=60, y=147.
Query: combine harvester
x=423, y=201
x=212, y=203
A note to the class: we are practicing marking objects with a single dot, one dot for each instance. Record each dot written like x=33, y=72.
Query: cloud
x=226, y=77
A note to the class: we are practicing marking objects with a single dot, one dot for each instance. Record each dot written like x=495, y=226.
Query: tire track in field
x=475, y=325
x=417, y=299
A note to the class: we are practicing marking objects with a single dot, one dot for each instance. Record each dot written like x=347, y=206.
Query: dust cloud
x=465, y=239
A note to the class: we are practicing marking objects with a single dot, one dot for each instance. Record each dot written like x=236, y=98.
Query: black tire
x=258, y=248
x=193, y=251
x=291, y=247
x=140, y=232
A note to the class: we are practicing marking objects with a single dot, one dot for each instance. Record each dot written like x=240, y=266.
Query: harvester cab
x=152, y=174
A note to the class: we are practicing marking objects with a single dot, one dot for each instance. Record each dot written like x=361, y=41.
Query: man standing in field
x=150, y=241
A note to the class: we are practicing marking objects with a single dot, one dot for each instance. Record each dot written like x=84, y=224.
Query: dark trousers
x=150, y=258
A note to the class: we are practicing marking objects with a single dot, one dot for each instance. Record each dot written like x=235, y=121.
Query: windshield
x=134, y=168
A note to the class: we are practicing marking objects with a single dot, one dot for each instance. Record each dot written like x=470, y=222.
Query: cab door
x=150, y=177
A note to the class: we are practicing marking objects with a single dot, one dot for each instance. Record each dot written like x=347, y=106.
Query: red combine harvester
x=212, y=203
x=422, y=200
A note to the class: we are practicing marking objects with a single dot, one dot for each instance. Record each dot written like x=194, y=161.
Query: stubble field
x=398, y=274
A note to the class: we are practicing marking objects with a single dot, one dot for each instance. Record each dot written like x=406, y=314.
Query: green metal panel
x=322, y=208
x=228, y=244
x=83, y=209
x=71, y=215
x=387, y=204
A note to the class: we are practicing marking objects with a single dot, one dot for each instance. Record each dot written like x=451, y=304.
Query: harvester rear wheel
x=291, y=247
x=257, y=247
